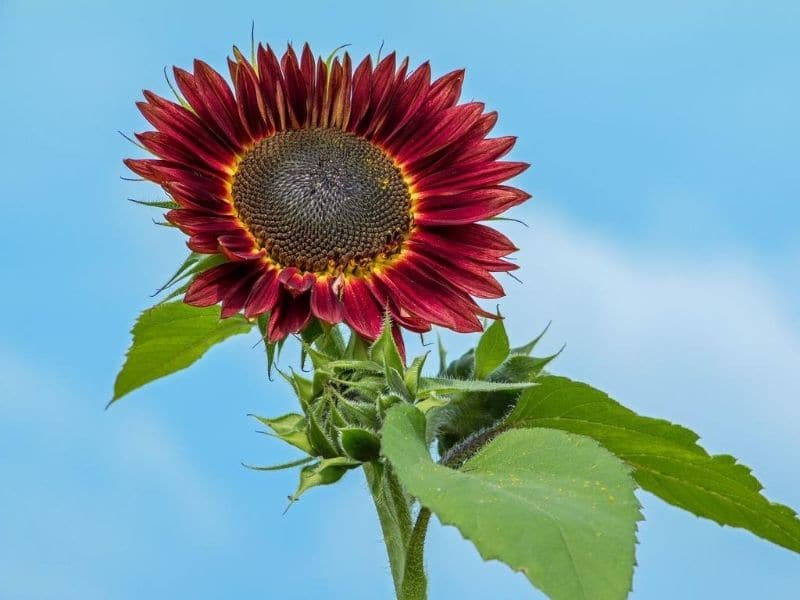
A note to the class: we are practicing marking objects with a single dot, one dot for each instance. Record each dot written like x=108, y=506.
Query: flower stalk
x=405, y=543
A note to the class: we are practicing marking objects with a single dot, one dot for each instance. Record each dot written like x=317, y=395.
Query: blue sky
x=662, y=243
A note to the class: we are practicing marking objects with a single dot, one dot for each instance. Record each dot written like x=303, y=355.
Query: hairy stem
x=394, y=514
x=415, y=584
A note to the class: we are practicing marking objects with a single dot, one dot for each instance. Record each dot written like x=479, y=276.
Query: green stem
x=392, y=506
x=404, y=543
x=415, y=584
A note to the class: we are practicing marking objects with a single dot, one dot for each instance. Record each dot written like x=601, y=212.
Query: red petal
x=361, y=311
x=445, y=91
x=205, y=243
x=324, y=302
x=240, y=245
x=297, y=92
x=362, y=92
x=401, y=316
x=195, y=221
x=410, y=97
x=264, y=294
x=430, y=299
x=296, y=282
x=177, y=121
x=478, y=241
x=272, y=84
x=467, y=207
x=458, y=178
x=380, y=88
x=250, y=105
x=172, y=149
x=291, y=314
x=213, y=105
x=211, y=286
x=451, y=124
x=464, y=274
x=340, y=93
x=236, y=297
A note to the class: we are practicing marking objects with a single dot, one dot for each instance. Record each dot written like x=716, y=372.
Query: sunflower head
x=334, y=192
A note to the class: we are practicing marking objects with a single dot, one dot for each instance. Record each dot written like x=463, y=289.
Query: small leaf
x=321, y=439
x=396, y=384
x=324, y=472
x=384, y=350
x=492, y=349
x=164, y=204
x=463, y=367
x=170, y=337
x=519, y=367
x=357, y=348
x=528, y=348
x=190, y=260
x=444, y=385
x=291, y=429
x=666, y=458
x=360, y=444
x=303, y=387
x=194, y=265
x=442, y=355
x=556, y=506
x=413, y=374
x=358, y=366
x=280, y=467
x=331, y=341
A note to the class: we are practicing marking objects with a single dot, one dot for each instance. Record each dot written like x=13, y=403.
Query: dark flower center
x=322, y=199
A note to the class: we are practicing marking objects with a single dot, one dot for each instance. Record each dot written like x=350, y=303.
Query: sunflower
x=334, y=192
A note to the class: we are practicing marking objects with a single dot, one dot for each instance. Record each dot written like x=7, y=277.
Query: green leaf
x=280, y=467
x=319, y=432
x=360, y=444
x=331, y=341
x=165, y=204
x=324, y=472
x=357, y=347
x=492, y=349
x=193, y=265
x=445, y=385
x=558, y=507
x=413, y=373
x=273, y=349
x=666, y=458
x=384, y=351
x=170, y=337
x=302, y=386
x=397, y=384
x=519, y=367
x=291, y=429
x=358, y=366
x=528, y=348
x=442, y=355
x=463, y=367
x=181, y=272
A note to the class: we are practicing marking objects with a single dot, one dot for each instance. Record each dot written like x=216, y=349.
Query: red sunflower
x=333, y=192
